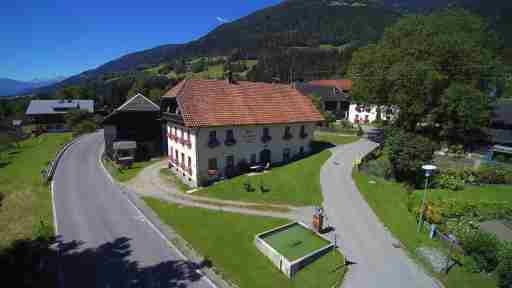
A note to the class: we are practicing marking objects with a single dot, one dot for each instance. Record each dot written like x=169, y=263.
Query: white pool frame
x=289, y=268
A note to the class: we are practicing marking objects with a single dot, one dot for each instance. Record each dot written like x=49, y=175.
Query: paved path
x=149, y=183
x=363, y=239
x=106, y=241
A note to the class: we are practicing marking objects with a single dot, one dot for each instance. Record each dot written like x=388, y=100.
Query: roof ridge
x=138, y=95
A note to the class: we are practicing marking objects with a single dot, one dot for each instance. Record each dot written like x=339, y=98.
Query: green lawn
x=335, y=139
x=295, y=242
x=170, y=177
x=227, y=239
x=125, y=175
x=475, y=193
x=27, y=198
x=388, y=200
x=297, y=183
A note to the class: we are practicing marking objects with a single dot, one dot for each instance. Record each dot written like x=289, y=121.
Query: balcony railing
x=266, y=138
x=212, y=143
x=230, y=142
x=287, y=136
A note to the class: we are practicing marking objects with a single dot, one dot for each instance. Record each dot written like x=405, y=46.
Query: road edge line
x=149, y=222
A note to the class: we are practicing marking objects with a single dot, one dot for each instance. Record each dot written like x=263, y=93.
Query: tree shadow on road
x=46, y=263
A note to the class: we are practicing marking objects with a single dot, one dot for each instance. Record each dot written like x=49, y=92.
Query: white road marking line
x=54, y=209
x=152, y=226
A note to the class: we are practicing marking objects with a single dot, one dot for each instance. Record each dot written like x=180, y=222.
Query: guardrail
x=52, y=165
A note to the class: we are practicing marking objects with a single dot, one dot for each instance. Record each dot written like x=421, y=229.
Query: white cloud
x=222, y=20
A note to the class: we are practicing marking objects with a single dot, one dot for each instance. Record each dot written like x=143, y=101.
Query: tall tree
x=418, y=59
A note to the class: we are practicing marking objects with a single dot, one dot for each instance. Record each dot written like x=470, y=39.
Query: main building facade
x=218, y=128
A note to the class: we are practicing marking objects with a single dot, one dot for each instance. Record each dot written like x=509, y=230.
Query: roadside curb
x=173, y=239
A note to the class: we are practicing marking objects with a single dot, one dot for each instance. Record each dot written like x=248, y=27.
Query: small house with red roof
x=221, y=128
x=335, y=98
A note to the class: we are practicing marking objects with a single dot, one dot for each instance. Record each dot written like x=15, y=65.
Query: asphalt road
x=362, y=237
x=105, y=241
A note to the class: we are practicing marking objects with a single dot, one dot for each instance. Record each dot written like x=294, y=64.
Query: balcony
x=230, y=142
x=212, y=143
x=172, y=137
x=182, y=166
x=266, y=138
x=187, y=142
x=287, y=136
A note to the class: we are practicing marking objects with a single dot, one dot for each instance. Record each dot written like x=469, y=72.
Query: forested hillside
x=294, y=40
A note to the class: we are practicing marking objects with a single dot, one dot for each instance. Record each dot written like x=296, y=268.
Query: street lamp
x=429, y=169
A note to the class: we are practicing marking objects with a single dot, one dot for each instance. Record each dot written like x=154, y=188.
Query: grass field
x=475, y=193
x=125, y=175
x=227, y=239
x=334, y=138
x=27, y=198
x=388, y=200
x=295, y=242
x=297, y=183
x=169, y=176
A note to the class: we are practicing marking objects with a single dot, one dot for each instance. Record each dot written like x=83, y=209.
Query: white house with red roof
x=220, y=128
x=335, y=98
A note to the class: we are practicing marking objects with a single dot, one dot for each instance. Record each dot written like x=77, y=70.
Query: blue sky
x=42, y=38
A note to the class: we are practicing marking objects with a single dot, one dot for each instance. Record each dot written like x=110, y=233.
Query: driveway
x=362, y=237
x=105, y=241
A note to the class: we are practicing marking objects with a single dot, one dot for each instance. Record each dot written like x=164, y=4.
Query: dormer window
x=230, y=138
x=303, y=133
x=212, y=139
x=287, y=133
x=266, y=135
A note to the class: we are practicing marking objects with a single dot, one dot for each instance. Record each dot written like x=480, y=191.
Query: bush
x=360, y=131
x=450, y=179
x=478, y=210
x=494, y=174
x=407, y=152
x=345, y=124
x=380, y=168
x=84, y=127
x=504, y=271
x=483, y=248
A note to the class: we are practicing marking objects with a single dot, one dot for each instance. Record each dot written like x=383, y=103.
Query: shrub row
x=480, y=210
x=487, y=174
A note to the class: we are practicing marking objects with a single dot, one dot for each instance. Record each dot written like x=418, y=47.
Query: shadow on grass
x=319, y=146
x=4, y=163
x=36, y=263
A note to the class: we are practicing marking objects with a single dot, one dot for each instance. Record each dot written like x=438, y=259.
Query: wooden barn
x=136, y=121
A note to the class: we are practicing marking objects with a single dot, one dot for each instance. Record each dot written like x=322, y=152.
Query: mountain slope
x=9, y=87
x=290, y=23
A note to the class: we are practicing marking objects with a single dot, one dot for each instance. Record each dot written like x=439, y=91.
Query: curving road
x=363, y=238
x=105, y=241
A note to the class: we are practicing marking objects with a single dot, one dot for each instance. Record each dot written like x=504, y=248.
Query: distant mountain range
x=10, y=87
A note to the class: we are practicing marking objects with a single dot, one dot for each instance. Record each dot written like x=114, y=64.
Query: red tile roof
x=219, y=103
x=342, y=84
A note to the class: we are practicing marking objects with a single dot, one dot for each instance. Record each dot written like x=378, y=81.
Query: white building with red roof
x=218, y=128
